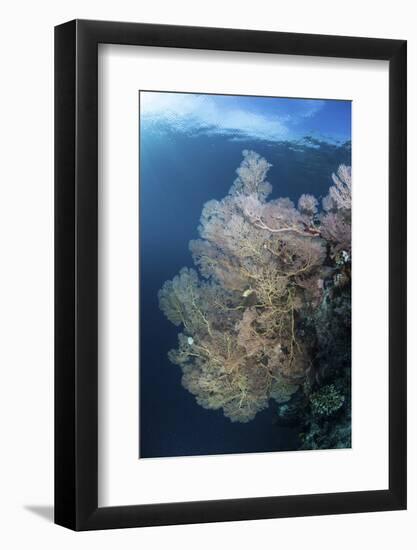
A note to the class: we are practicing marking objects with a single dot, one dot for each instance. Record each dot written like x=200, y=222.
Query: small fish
x=247, y=292
x=190, y=341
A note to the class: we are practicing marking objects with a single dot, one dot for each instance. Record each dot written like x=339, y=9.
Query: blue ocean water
x=179, y=172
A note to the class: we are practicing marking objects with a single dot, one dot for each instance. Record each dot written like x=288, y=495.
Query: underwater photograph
x=245, y=274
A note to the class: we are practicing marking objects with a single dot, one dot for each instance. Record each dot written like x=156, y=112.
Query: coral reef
x=326, y=401
x=271, y=303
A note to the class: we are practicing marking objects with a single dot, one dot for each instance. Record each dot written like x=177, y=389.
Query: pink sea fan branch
x=260, y=270
x=341, y=191
x=252, y=176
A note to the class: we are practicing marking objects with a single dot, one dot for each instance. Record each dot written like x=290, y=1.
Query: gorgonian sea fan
x=261, y=268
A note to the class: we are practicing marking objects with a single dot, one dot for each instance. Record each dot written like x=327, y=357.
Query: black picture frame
x=76, y=272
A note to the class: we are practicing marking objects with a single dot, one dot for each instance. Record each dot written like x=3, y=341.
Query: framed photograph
x=230, y=248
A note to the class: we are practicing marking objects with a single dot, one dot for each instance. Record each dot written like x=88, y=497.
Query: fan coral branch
x=262, y=266
x=252, y=176
x=341, y=191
